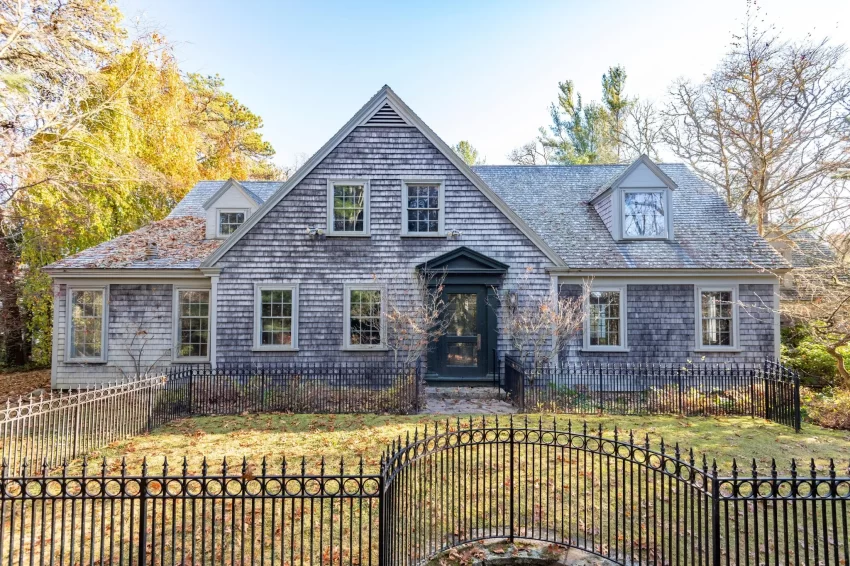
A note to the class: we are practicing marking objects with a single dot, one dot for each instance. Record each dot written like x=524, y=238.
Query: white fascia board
x=668, y=273
x=129, y=275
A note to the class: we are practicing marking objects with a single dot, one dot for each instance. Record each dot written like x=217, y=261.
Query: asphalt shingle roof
x=553, y=200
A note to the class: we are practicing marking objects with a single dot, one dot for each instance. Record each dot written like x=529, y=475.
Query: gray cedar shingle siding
x=131, y=308
x=661, y=326
x=277, y=249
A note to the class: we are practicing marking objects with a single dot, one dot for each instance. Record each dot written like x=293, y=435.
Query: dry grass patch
x=352, y=437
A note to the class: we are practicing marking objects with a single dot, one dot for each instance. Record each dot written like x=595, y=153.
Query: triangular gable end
x=642, y=161
x=385, y=116
x=463, y=260
x=225, y=187
x=377, y=102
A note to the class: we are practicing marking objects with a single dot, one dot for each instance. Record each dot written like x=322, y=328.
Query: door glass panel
x=462, y=312
x=462, y=354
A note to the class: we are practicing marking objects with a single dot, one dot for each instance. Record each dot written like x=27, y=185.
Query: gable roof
x=226, y=186
x=614, y=181
x=203, y=191
x=554, y=200
x=377, y=104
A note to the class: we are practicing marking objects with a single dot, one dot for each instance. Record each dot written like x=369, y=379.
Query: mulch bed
x=16, y=383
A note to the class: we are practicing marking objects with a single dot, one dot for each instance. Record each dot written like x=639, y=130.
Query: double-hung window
x=422, y=208
x=275, y=317
x=229, y=220
x=645, y=214
x=717, y=314
x=348, y=208
x=605, y=327
x=364, y=315
x=87, y=311
x=191, y=325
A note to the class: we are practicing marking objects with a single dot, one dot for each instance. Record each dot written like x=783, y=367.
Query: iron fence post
x=512, y=486
x=752, y=393
x=681, y=391
x=715, y=519
x=382, y=521
x=191, y=392
x=262, y=388
x=76, y=444
x=798, y=419
x=143, y=518
x=418, y=384
x=601, y=405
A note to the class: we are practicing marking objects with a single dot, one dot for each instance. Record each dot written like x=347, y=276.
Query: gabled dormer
x=228, y=208
x=637, y=204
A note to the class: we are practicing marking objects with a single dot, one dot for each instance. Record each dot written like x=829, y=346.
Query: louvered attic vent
x=386, y=116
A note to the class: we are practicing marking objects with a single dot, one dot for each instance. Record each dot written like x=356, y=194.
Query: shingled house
x=262, y=272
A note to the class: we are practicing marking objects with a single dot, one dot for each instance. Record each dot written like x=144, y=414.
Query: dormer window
x=637, y=204
x=229, y=221
x=644, y=214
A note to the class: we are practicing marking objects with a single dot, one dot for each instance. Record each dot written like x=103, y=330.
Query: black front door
x=463, y=350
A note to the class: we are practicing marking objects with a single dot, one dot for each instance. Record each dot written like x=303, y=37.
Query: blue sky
x=485, y=71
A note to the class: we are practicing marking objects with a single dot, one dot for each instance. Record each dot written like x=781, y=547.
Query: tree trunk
x=843, y=374
x=12, y=323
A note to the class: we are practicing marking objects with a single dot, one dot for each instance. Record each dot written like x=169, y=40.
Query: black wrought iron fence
x=57, y=428
x=231, y=515
x=610, y=494
x=767, y=390
x=298, y=387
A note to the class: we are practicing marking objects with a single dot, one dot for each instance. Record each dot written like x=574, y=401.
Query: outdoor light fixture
x=315, y=233
x=453, y=234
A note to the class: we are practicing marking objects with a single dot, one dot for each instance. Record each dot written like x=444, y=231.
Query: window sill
x=89, y=362
x=347, y=235
x=267, y=349
x=718, y=350
x=424, y=235
x=191, y=361
x=367, y=350
x=609, y=349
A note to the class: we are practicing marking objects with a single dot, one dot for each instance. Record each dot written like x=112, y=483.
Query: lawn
x=440, y=507
x=354, y=436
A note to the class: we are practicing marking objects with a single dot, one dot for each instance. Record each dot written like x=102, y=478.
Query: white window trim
x=104, y=349
x=699, y=346
x=623, y=347
x=366, y=207
x=258, y=327
x=175, y=324
x=219, y=211
x=346, y=317
x=668, y=216
x=441, y=203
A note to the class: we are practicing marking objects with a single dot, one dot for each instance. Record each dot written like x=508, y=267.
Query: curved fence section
x=609, y=494
x=605, y=495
